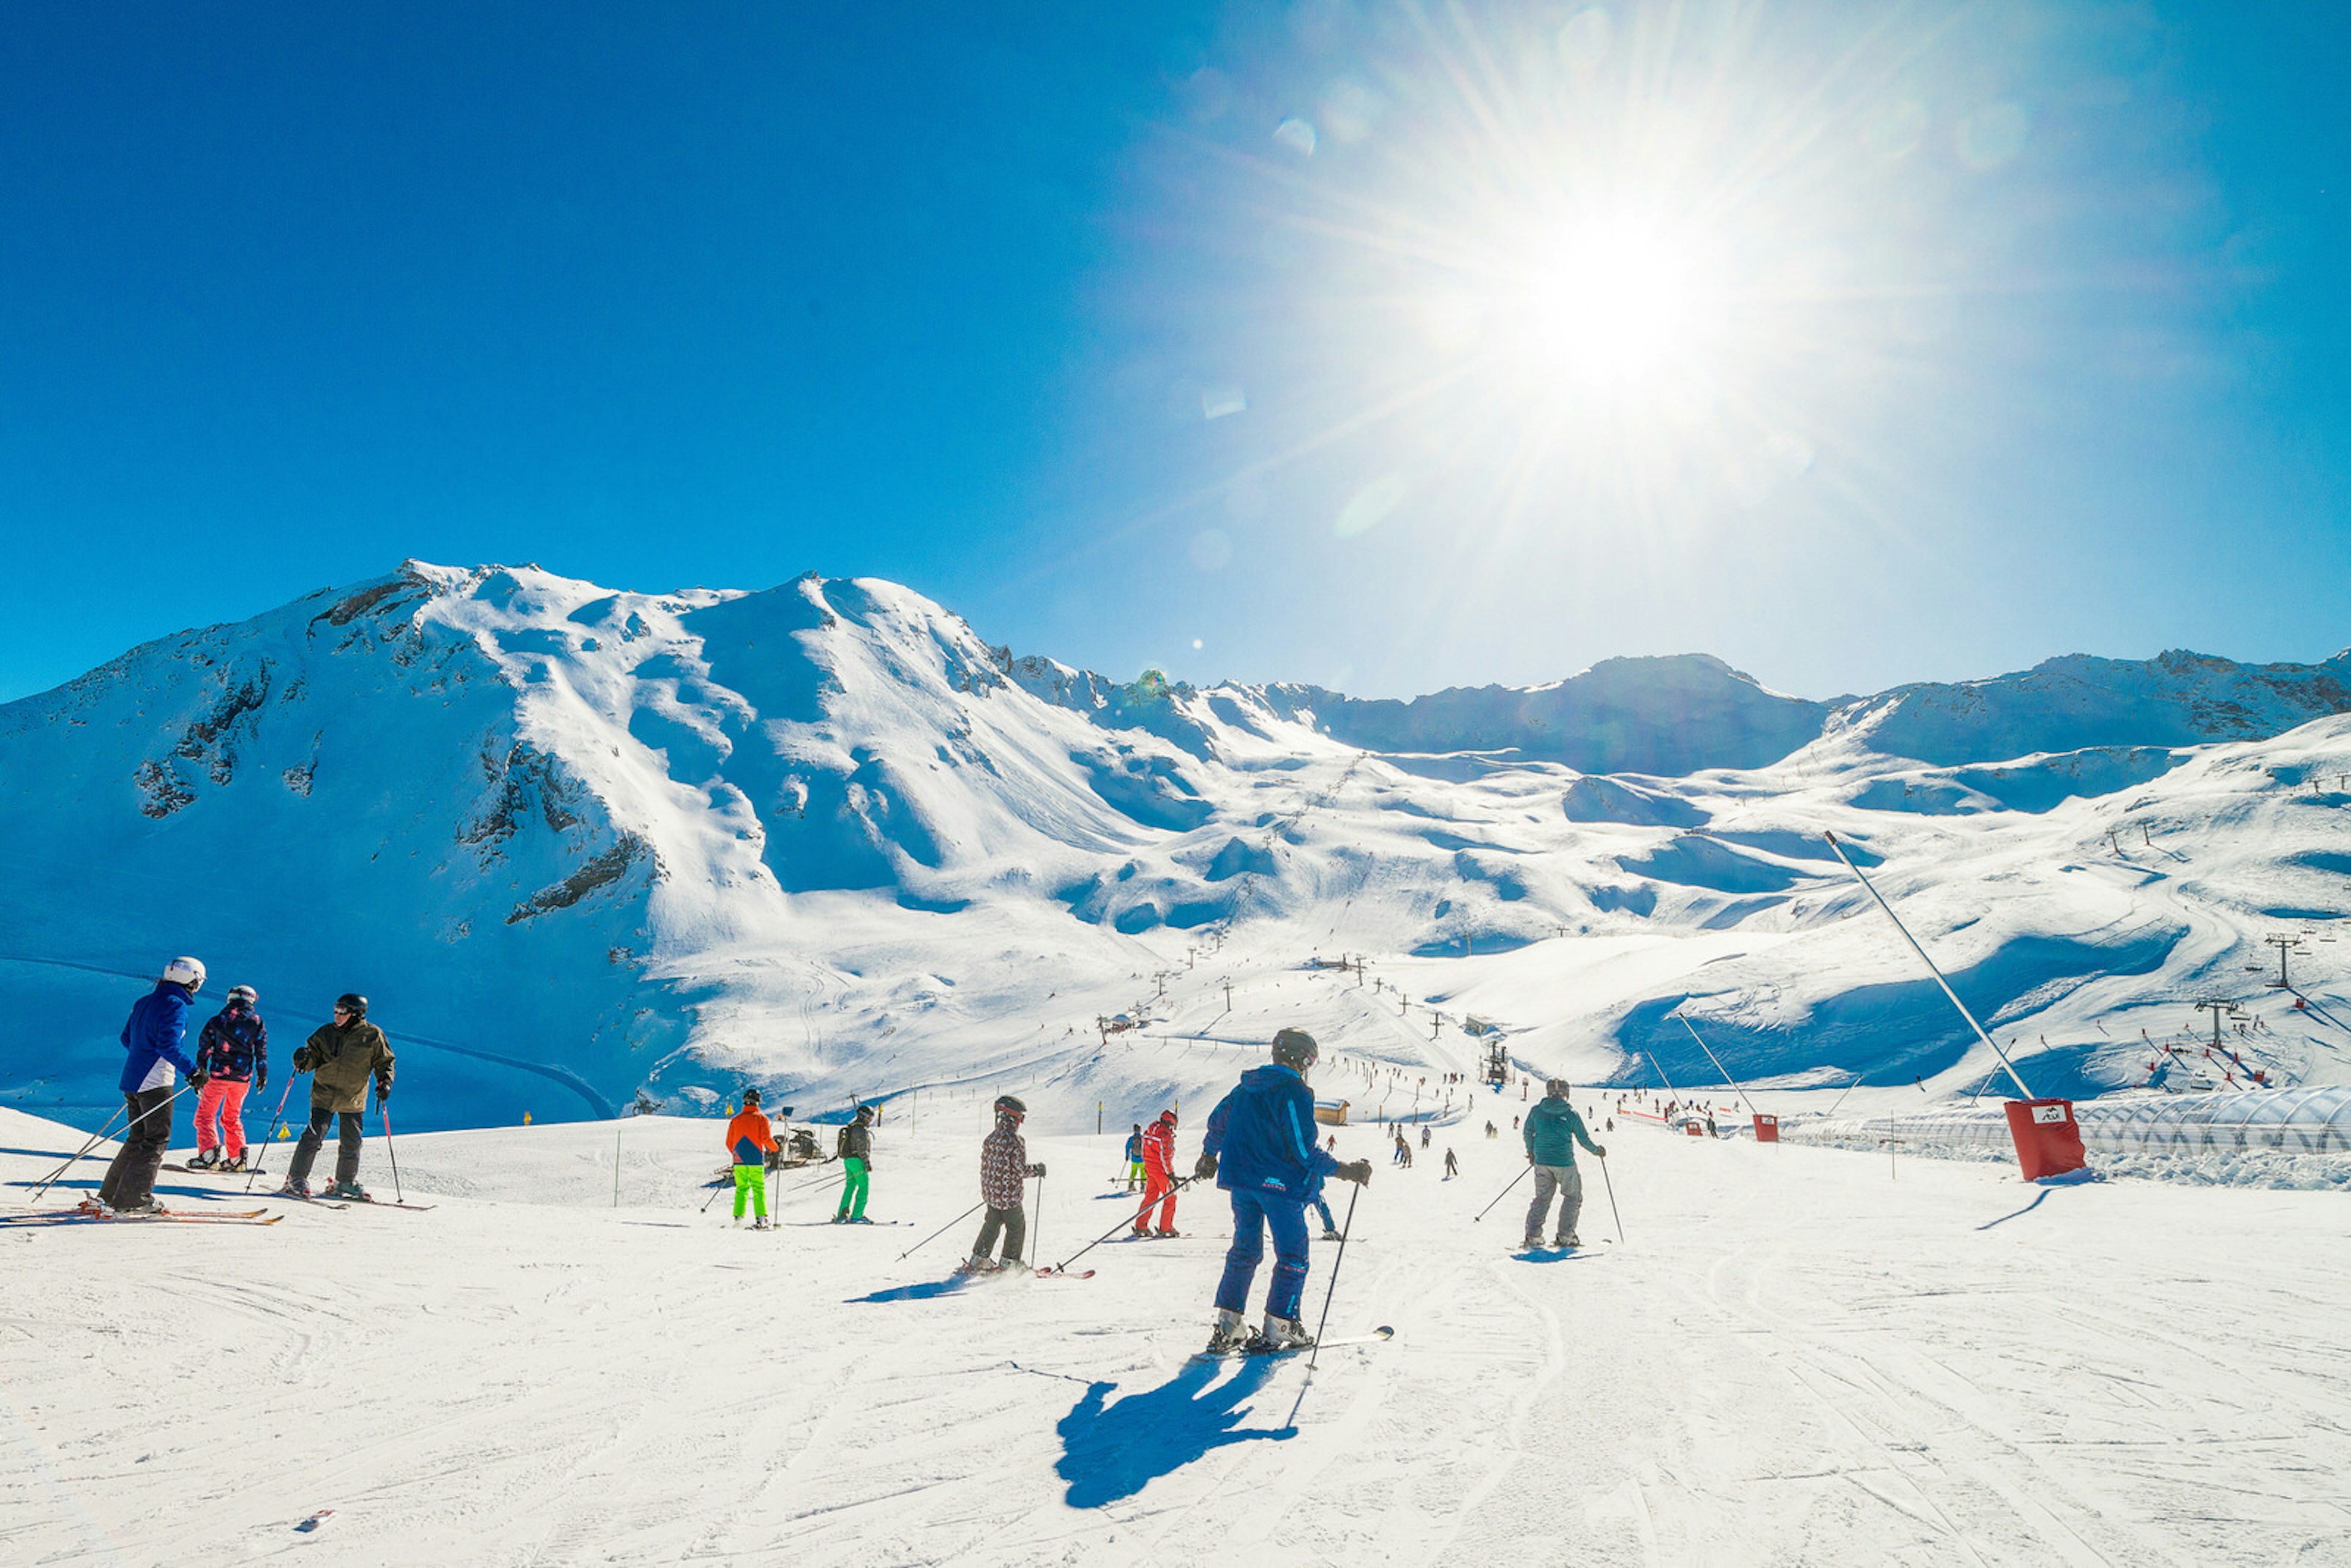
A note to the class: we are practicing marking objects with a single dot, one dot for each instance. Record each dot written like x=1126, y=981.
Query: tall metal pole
x=1719, y=1067
x=1954, y=997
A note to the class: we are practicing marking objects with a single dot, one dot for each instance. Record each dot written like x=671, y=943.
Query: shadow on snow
x=1114, y=1452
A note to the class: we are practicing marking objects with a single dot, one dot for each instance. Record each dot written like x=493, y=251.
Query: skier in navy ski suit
x=1260, y=1149
x=152, y=1037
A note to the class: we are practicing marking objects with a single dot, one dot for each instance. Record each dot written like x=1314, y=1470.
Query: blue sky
x=1380, y=346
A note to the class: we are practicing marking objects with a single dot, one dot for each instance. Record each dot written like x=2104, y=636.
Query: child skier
x=233, y=1053
x=1553, y=1129
x=1134, y=1158
x=338, y=1056
x=856, y=1150
x=1260, y=1149
x=1004, y=1173
x=158, y=1023
x=750, y=1139
x=1159, y=1176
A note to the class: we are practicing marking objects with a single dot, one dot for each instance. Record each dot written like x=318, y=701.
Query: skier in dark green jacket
x=1553, y=1130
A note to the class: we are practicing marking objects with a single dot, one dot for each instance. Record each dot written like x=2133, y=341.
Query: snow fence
x=2313, y=1121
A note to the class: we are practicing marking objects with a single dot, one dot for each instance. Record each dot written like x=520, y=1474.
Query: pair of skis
x=323, y=1201
x=91, y=1214
x=1380, y=1335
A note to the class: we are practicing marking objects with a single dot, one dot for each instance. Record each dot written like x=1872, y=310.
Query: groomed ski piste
x=1787, y=1354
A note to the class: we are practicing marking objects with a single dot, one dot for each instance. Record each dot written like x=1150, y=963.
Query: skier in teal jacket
x=1552, y=1132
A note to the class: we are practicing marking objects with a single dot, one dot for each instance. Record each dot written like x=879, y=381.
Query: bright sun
x=1616, y=304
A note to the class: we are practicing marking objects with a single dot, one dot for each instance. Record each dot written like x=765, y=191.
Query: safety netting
x=2311, y=1121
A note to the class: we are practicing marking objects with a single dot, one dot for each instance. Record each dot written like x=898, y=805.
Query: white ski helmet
x=188, y=972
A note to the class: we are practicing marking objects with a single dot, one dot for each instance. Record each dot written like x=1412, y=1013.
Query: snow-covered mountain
x=576, y=842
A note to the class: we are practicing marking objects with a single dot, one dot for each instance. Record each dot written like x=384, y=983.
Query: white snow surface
x=1789, y=1355
x=578, y=843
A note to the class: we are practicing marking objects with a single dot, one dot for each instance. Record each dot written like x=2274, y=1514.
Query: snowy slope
x=577, y=844
x=1788, y=1355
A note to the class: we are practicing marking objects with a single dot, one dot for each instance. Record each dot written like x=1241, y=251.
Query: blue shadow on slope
x=1114, y=1452
x=923, y=1291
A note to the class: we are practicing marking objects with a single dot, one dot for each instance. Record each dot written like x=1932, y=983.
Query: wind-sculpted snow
x=827, y=837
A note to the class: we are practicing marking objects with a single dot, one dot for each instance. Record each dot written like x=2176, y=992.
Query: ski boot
x=145, y=1206
x=841, y=1220
x=861, y=1220
x=294, y=1188
x=1570, y=1240
x=1165, y=1235
x=1281, y=1333
x=1531, y=1244
x=1231, y=1333
x=347, y=1191
x=237, y=1164
x=205, y=1161
x=760, y=1223
x=976, y=1265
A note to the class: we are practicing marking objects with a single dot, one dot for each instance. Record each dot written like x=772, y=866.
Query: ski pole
x=1503, y=1194
x=1037, y=1231
x=271, y=1141
x=942, y=1230
x=86, y=1148
x=384, y=1120
x=1332, y=1289
x=1610, y=1184
x=1122, y=1224
x=95, y=1139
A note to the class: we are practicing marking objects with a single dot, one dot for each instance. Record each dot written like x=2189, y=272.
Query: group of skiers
x=232, y=1059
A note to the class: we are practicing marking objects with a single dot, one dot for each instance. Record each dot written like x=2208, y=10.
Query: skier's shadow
x=1111, y=1451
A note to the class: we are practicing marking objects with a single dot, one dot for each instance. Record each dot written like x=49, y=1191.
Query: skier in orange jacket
x=750, y=1141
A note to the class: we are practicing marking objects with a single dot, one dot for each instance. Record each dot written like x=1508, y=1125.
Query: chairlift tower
x=1497, y=1063
x=2284, y=944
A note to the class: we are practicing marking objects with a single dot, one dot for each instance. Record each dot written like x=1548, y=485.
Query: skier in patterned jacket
x=1260, y=1149
x=233, y=1052
x=1004, y=1173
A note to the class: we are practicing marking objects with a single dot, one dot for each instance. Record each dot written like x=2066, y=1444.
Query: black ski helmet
x=1295, y=1049
x=865, y=1114
x=1011, y=1103
x=1557, y=1088
x=750, y=1096
x=353, y=1004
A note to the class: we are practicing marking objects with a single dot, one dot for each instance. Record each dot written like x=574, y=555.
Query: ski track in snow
x=1792, y=1358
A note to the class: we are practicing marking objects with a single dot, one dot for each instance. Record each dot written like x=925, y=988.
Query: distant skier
x=1260, y=1149
x=1552, y=1131
x=1004, y=1173
x=339, y=1057
x=855, y=1147
x=158, y=1023
x=749, y=1139
x=1452, y=1167
x=1134, y=1158
x=1159, y=1176
x=233, y=1053
x=1491, y=1131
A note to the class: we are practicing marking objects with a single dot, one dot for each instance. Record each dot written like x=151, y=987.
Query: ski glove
x=382, y=1091
x=1205, y=1167
x=1599, y=1150
x=305, y=1059
x=1036, y=1170
x=196, y=1080
x=1360, y=1172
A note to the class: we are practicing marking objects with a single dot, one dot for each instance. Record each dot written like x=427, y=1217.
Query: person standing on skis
x=1159, y=1177
x=339, y=1057
x=1260, y=1149
x=1134, y=1158
x=158, y=1023
x=1552, y=1131
x=856, y=1151
x=1004, y=1173
x=233, y=1052
x=751, y=1140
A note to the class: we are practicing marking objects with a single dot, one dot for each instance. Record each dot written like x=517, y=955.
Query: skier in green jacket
x=855, y=1147
x=1553, y=1130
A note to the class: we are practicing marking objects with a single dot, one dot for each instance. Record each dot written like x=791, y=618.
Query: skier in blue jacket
x=158, y=1023
x=1260, y=1149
